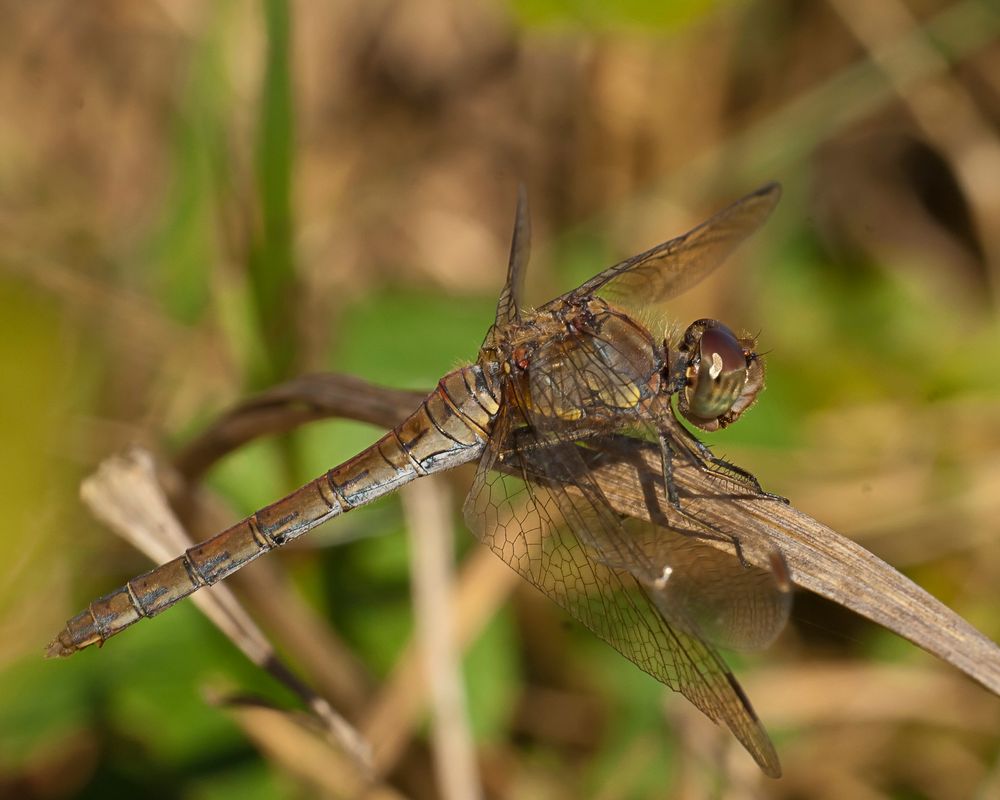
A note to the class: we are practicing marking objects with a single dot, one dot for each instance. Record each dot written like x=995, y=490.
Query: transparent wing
x=509, y=304
x=535, y=506
x=690, y=559
x=582, y=390
x=708, y=591
x=676, y=265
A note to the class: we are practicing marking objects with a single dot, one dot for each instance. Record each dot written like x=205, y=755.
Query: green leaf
x=410, y=339
x=647, y=14
x=271, y=259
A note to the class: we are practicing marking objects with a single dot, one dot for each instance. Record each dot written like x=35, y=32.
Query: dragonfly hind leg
x=667, y=455
x=700, y=528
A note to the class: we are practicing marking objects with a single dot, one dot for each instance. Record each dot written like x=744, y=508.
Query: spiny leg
x=667, y=456
x=730, y=469
x=701, y=529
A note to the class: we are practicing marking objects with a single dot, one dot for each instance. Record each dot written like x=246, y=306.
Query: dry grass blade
x=837, y=568
x=293, y=743
x=429, y=521
x=823, y=561
x=125, y=494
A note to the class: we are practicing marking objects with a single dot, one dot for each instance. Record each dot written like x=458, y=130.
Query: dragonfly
x=556, y=393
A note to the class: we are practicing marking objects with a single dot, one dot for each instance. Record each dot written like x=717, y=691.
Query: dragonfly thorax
x=580, y=362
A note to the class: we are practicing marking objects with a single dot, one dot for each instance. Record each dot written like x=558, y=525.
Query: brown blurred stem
x=288, y=405
x=429, y=514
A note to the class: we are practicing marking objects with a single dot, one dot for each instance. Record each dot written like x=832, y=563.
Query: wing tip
x=772, y=190
x=758, y=744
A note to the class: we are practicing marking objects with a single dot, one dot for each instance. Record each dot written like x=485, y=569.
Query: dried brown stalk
x=428, y=509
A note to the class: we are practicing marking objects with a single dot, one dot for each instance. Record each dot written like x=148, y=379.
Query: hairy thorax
x=583, y=362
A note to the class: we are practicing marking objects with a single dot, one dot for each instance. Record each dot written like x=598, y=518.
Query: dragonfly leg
x=732, y=470
x=667, y=454
x=705, y=530
x=702, y=529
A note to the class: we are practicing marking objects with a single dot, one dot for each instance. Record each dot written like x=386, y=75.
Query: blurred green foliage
x=647, y=15
x=271, y=261
x=187, y=239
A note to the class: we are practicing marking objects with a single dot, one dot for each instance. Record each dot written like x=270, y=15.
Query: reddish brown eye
x=721, y=352
x=719, y=386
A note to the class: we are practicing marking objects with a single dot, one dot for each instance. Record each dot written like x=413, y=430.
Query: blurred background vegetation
x=199, y=200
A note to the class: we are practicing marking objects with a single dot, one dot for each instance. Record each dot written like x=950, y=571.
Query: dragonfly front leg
x=729, y=469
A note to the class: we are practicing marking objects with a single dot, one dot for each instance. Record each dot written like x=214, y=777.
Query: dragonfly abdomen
x=447, y=429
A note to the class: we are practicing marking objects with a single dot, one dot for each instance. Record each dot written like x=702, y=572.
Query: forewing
x=542, y=514
x=509, y=304
x=676, y=265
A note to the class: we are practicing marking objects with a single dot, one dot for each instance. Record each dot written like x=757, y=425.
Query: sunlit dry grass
x=159, y=162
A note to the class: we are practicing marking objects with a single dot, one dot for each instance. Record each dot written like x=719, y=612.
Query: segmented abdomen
x=449, y=428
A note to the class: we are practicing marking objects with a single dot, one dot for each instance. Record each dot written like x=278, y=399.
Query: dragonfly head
x=722, y=375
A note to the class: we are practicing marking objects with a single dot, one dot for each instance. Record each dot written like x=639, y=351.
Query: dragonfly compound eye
x=723, y=377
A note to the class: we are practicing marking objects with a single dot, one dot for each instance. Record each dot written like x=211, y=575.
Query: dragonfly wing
x=536, y=507
x=691, y=558
x=732, y=603
x=705, y=587
x=676, y=265
x=509, y=304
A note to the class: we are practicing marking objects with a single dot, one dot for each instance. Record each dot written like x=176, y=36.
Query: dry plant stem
x=484, y=582
x=428, y=509
x=820, y=559
x=330, y=664
x=289, y=405
x=941, y=106
x=289, y=742
x=823, y=561
x=824, y=693
x=124, y=493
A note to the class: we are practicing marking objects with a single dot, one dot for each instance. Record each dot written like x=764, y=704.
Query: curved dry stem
x=428, y=510
x=288, y=405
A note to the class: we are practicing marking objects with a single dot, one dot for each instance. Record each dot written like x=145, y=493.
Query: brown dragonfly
x=556, y=393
